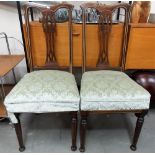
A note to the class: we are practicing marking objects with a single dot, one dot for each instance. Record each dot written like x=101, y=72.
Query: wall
x=152, y=7
x=9, y=23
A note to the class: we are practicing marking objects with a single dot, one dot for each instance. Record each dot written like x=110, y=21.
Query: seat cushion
x=44, y=91
x=111, y=90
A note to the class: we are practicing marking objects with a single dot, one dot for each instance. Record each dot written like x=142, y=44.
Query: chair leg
x=139, y=124
x=83, y=126
x=18, y=130
x=74, y=131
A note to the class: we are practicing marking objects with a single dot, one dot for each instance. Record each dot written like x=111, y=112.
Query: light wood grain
x=92, y=44
x=141, y=47
x=142, y=25
x=8, y=62
x=62, y=44
x=3, y=112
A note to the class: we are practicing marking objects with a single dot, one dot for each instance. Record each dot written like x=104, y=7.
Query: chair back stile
x=49, y=29
x=105, y=25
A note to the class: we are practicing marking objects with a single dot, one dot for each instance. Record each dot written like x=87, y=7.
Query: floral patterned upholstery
x=111, y=90
x=43, y=91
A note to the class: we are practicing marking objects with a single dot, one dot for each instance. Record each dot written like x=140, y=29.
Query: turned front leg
x=83, y=126
x=139, y=124
x=74, y=131
x=18, y=130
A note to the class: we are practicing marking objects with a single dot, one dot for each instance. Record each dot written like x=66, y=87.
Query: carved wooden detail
x=105, y=23
x=49, y=28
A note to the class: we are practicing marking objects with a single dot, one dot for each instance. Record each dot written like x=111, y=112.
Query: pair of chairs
x=102, y=91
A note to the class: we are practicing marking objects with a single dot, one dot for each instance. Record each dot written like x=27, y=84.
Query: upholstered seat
x=44, y=91
x=111, y=90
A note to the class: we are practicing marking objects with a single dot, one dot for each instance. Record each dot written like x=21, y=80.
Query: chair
x=45, y=89
x=109, y=89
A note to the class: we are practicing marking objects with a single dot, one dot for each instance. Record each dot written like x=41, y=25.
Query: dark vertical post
x=74, y=131
x=21, y=26
x=83, y=126
x=18, y=130
x=139, y=124
x=118, y=11
x=130, y=2
x=31, y=12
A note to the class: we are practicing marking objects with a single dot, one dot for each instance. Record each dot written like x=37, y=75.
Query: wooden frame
x=105, y=25
x=49, y=25
x=105, y=13
x=49, y=28
x=7, y=63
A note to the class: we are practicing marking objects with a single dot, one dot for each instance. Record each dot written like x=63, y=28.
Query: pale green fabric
x=44, y=91
x=111, y=90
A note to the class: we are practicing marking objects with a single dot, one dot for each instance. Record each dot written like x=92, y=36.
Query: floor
x=51, y=133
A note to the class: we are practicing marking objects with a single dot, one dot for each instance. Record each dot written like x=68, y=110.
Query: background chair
x=45, y=89
x=107, y=91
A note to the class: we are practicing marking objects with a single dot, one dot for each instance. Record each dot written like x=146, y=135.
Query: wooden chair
x=45, y=89
x=109, y=90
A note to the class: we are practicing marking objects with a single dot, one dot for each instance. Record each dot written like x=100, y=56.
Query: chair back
x=105, y=14
x=49, y=28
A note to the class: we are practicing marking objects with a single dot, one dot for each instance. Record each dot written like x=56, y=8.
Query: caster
x=73, y=148
x=133, y=147
x=82, y=149
x=21, y=149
